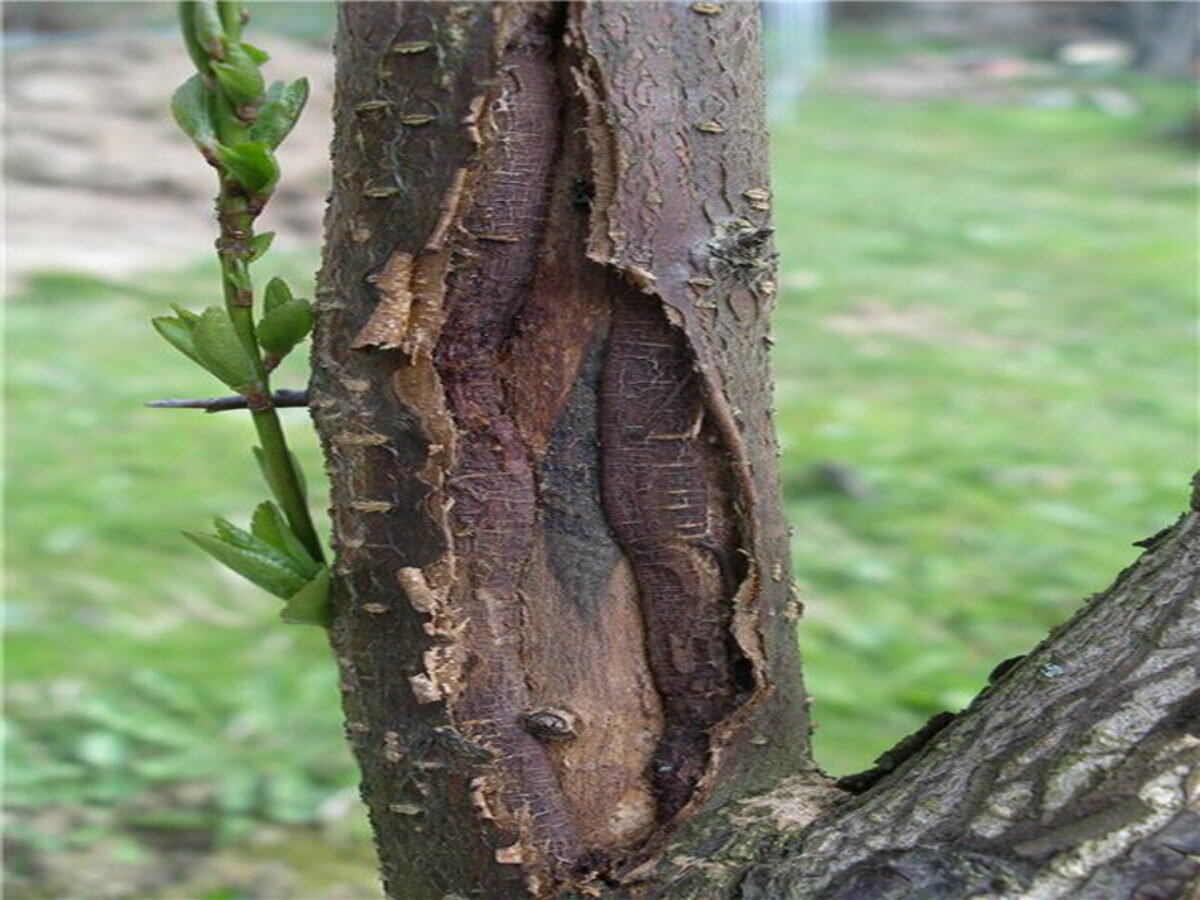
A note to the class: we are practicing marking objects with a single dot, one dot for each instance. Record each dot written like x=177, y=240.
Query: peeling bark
x=562, y=604
x=561, y=596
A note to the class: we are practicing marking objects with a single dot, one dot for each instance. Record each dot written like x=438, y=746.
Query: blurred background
x=986, y=384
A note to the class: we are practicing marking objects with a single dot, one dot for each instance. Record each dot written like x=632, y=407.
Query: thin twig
x=281, y=398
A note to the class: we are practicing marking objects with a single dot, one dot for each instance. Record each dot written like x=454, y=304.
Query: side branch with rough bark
x=1075, y=775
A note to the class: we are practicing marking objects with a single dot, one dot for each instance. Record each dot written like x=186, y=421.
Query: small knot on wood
x=550, y=724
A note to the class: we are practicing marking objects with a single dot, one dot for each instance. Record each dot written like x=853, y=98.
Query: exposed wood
x=552, y=416
x=563, y=610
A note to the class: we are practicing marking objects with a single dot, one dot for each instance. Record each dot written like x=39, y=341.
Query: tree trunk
x=563, y=611
x=1166, y=36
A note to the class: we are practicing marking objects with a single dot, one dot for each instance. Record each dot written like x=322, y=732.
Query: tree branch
x=284, y=397
x=1074, y=774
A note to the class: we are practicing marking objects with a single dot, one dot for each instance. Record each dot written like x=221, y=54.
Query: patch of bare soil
x=98, y=178
x=922, y=324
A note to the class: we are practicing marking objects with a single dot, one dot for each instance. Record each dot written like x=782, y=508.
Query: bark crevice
x=585, y=623
x=563, y=613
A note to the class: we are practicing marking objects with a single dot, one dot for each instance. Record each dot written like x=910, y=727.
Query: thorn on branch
x=281, y=398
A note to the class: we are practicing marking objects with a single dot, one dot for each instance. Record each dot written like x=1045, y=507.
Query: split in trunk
x=563, y=611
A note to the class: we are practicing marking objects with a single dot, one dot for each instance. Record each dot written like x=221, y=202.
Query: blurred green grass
x=138, y=671
x=987, y=315
x=985, y=328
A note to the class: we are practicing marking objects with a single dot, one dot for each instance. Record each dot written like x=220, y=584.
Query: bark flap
x=567, y=341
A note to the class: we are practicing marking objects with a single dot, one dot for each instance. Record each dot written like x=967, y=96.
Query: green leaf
x=206, y=24
x=239, y=77
x=193, y=115
x=259, y=244
x=310, y=604
x=280, y=112
x=229, y=533
x=252, y=164
x=186, y=315
x=257, y=54
x=264, y=569
x=283, y=327
x=178, y=334
x=277, y=294
x=221, y=351
x=270, y=525
x=230, y=127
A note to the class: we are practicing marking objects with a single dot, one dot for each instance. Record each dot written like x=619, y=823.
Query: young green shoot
x=236, y=122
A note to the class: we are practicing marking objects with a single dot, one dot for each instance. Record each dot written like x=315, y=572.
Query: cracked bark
x=563, y=615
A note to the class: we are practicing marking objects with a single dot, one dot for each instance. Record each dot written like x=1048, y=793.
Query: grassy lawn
x=987, y=314
x=148, y=688
x=985, y=327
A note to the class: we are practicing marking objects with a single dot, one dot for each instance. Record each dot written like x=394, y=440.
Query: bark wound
x=582, y=641
x=521, y=499
x=491, y=487
x=664, y=492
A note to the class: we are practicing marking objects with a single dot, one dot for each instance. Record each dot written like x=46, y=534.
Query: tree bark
x=562, y=604
x=1075, y=773
x=1166, y=36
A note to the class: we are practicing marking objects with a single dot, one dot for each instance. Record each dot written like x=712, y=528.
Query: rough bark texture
x=1075, y=774
x=563, y=612
x=563, y=609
